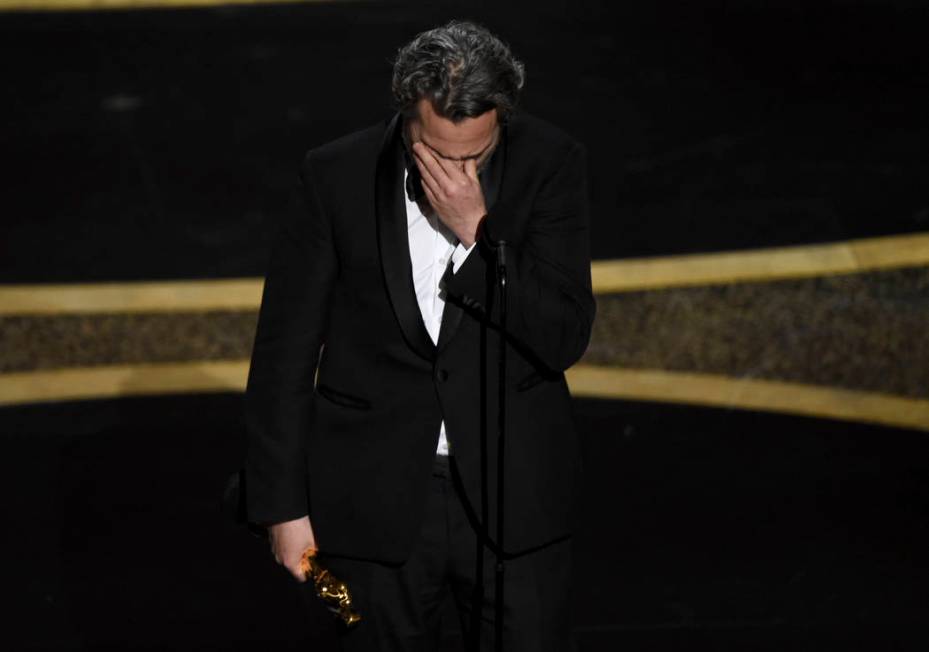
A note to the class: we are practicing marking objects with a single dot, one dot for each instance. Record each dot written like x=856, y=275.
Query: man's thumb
x=471, y=168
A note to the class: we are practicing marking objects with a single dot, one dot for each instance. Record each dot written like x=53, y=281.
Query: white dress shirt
x=432, y=246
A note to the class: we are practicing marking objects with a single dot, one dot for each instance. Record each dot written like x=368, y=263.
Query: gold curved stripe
x=609, y=276
x=144, y=296
x=748, y=394
x=849, y=257
x=95, y=5
x=114, y=381
x=584, y=380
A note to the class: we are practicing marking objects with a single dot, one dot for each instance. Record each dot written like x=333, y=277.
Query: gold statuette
x=330, y=590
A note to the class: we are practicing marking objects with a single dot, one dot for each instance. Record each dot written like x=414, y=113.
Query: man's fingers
x=421, y=165
x=470, y=168
x=443, y=186
x=429, y=180
x=441, y=172
x=289, y=540
x=430, y=195
x=451, y=168
x=298, y=573
x=428, y=166
x=293, y=567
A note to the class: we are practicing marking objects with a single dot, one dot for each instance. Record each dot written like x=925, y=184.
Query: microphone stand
x=501, y=449
x=500, y=568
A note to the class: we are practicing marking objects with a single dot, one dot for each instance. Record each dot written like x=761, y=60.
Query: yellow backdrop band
x=853, y=256
x=94, y=5
x=609, y=276
x=585, y=381
x=80, y=383
x=748, y=394
x=146, y=296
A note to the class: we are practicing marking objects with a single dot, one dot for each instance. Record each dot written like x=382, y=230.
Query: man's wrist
x=460, y=254
x=469, y=238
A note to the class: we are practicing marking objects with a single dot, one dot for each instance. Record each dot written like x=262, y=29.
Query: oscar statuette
x=332, y=591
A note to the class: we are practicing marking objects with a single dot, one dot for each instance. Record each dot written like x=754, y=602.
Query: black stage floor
x=702, y=530
x=160, y=145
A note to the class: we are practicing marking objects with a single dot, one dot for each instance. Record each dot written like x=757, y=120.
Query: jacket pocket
x=343, y=399
x=530, y=381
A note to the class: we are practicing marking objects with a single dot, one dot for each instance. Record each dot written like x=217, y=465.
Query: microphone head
x=501, y=253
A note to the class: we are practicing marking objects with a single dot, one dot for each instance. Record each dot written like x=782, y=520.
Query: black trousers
x=401, y=606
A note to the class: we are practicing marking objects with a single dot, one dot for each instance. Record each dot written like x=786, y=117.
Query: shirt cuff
x=460, y=255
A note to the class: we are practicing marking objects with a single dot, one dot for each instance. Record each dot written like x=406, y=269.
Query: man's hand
x=289, y=540
x=454, y=190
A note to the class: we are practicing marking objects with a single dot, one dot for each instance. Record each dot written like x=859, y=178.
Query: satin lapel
x=491, y=181
x=393, y=241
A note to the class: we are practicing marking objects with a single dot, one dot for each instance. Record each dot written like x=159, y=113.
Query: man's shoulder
x=351, y=148
x=532, y=133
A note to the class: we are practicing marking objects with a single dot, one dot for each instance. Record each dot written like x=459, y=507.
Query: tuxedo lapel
x=393, y=240
x=491, y=178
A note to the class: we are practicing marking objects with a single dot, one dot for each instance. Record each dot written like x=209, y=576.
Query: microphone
x=501, y=260
x=499, y=246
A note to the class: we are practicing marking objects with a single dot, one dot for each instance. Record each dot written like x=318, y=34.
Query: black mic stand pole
x=501, y=449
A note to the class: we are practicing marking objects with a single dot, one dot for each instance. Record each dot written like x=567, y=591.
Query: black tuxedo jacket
x=346, y=390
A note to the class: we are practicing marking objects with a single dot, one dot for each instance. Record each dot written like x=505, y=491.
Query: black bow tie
x=414, y=184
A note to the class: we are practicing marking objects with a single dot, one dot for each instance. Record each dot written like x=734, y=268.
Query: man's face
x=472, y=138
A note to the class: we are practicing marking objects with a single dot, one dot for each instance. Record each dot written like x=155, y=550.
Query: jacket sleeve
x=290, y=332
x=550, y=303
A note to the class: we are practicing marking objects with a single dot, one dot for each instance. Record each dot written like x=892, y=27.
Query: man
x=383, y=289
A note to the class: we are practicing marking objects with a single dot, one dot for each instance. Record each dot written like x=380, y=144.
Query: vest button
x=441, y=375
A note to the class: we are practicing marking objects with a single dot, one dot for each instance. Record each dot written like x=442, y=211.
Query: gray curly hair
x=462, y=68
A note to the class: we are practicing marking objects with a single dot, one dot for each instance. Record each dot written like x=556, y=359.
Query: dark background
x=163, y=144
x=161, y=141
